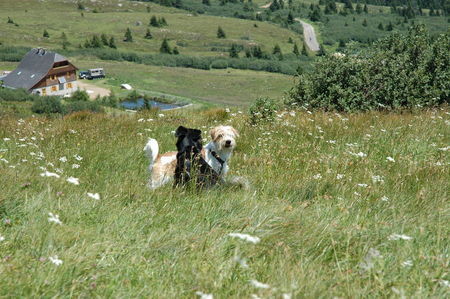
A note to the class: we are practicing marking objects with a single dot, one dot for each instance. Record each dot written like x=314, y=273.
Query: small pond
x=139, y=103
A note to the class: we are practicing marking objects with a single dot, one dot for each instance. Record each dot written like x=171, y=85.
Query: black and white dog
x=208, y=165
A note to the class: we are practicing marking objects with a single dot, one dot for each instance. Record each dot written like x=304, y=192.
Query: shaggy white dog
x=216, y=153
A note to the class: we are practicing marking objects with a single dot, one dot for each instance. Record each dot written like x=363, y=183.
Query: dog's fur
x=162, y=167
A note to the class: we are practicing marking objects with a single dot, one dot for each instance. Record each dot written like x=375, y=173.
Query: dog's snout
x=228, y=142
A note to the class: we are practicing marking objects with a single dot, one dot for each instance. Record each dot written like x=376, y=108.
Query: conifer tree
x=364, y=23
x=234, y=52
x=112, y=43
x=104, y=39
x=45, y=34
x=148, y=34
x=10, y=21
x=380, y=26
x=96, y=42
x=365, y=9
x=295, y=50
x=206, y=2
x=359, y=8
x=290, y=18
x=290, y=40
x=165, y=48
x=154, y=22
x=304, y=51
x=221, y=33
x=389, y=27
x=175, y=51
x=128, y=37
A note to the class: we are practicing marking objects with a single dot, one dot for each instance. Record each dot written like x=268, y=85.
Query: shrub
x=263, y=109
x=219, y=64
x=82, y=106
x=16, y=95
x=47, y=105
x=79, y=95
x=399, y=71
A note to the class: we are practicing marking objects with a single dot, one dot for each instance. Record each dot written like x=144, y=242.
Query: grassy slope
x=224, y=87
x=314, y=232
x=195, y=35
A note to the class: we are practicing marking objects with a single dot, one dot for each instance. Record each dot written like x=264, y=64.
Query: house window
x=61, y=86
x=54, y=88
x=44, y=91
x=69, y=85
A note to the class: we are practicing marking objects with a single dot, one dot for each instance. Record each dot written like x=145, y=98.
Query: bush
x=79, y=95
x=47, y=105
x=399, y=71
x=263, y=109
x=219, y=64
x=16, y=95
x=82, y=106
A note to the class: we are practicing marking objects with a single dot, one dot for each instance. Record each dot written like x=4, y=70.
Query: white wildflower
x=241, y=261
x=95, y=196
x=59, y=170
x=72, y=131
x=50, y=174
x=73, y=180
x=4, y=160
x=245, y=237
x=54, y=218
x=390, y=159
x=394, y=237
x=204, y=296
x=377, y=179
x=258, y=284
x=331, y=141
x=77, y=157
x=2, y=238
x=63, y=159
x=317, y=176
x=444, y=283
x=407, y=263
x=227, y=110
x=6, y=139
x=369, y=259
x=363, y=185
x=286, y=296
x=141, y=120
x=384, y=198
x=55, y=260
x=444, y=149
x=357, y=194
x=160, y=115
x=360, y=154
x=340, y=176
x=75, y=166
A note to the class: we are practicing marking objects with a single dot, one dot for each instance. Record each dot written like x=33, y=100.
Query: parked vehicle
x=83, y=74
x=92, y=74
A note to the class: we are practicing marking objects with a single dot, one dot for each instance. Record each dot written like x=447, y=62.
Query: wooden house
x=45, y=73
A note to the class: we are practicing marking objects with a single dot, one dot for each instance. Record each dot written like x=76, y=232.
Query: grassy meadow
x=214, y=87
x=191, y=34
x=344, y=206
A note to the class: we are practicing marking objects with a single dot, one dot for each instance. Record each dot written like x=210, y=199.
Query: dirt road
x=309, y=36
x=92, y=90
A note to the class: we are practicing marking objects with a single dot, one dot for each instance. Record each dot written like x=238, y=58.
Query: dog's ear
x=213, y=133
x=181, y=131
x=196, y=133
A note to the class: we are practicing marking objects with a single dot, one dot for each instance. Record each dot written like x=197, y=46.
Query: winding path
x=309, y=36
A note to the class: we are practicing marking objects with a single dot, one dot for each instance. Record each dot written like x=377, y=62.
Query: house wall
x=53, y=90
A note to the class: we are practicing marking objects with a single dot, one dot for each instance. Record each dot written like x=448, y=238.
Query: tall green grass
x=325, y=201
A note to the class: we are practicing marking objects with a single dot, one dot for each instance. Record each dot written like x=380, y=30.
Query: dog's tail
x=151, y=149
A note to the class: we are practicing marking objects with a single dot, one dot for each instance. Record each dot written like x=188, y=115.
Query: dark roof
x=33, y=67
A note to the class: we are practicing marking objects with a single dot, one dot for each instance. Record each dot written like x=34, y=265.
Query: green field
x=223, y=87
x=336, y=216
x=192, y=34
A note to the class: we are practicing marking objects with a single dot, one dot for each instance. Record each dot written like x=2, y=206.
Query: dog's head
x=188, y=139
x=224, y=137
